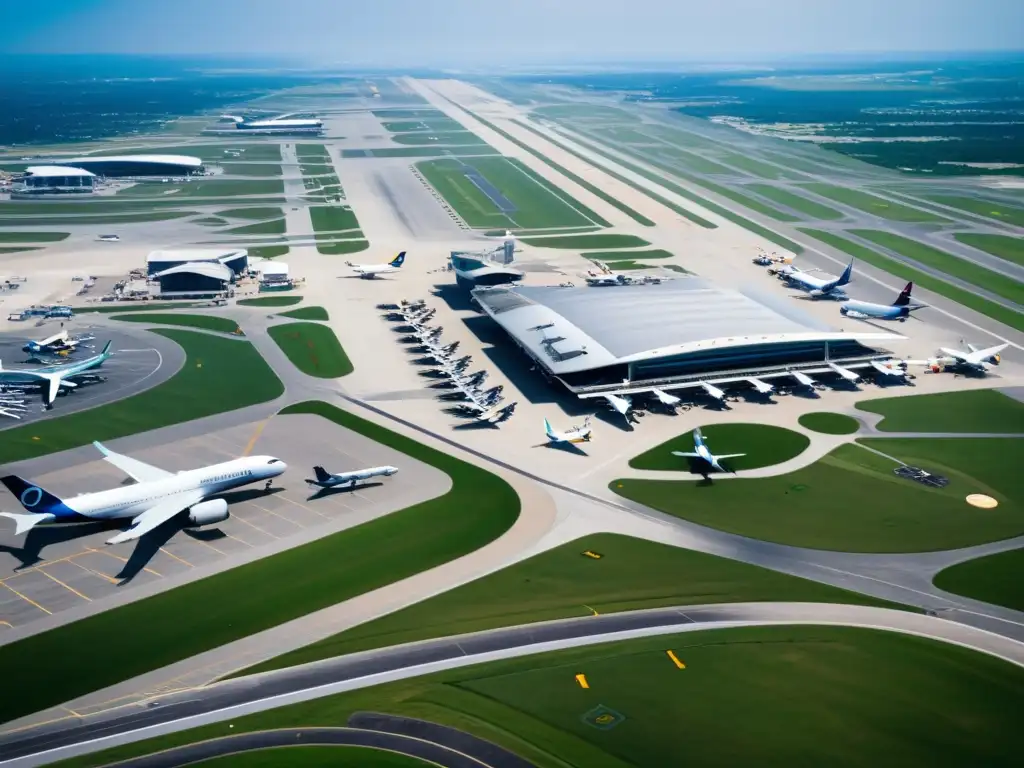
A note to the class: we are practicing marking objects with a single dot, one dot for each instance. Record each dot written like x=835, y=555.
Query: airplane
x=894, y=368
x=442, y=355
x=325, y=479
x=497, y=416
x=620, y=404
x=54, y=376
x=701, y=452
x=449, y=368
x=761, y=387
x=578, y=434
x=60, y=344
x=669, y=401
x=974, y=361
x=605, y=276
x=370, y=271
x=818, y=287
x=899, y=310
x=713, y=392
x=156, y=496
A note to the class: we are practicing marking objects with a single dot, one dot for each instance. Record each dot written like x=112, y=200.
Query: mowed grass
x=142, y=217
x=538, y=204
x=852, y=501
x=978, y=410
x=765, y=696
x=251, y=169
x=32, y=237
x=307, y=313
x=270, y=301
x=1003, y=246
x=313, y=348
x=207, y=384
x=448, y=138
x=992, y=579
x=756, y=167
x=206, y=187
x=999, y=284
x=268, y=251
x=763, y=444
x=317, y=757
x=982, y=207
x=796, y=202
x=332, y=218
x=829, y=423
x=653, y=253
x=885, y=209
x=472, y=149
x=631, y=574
x=270, y=591
x=583, y=242
x=342, y=247
x=253, y=213
x=426, y=124
x=270, y=227
x=20, y=250
x=206, y=322
x=923, y=279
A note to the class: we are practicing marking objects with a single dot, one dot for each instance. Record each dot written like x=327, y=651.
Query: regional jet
x=973, y=361
x=53, y=377
x=370, y=271
x=578, y=434
x=701, y=453
x=156, y=496
x=818, y=287
x=325, y=479
x=899, y=310
x=58, y=345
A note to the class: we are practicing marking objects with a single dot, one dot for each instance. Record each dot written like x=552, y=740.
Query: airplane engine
x=994, y=359
x=208, y=512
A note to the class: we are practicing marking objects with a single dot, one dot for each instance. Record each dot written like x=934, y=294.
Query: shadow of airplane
x=41, y=537
x=567, y=447
x=247, y=494
x=322, y=493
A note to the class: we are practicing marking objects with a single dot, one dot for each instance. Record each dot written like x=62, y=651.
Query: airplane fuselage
x=350, y=478
x=865, y=309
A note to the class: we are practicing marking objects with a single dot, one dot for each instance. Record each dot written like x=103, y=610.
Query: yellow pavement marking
x=22, y=572
x=594, y=555
x=675, y=660
x=108, y=553
x=179, y=559
x=582, y=680
x=7, y=623
x=280, y=517
x=90, y=570
x=68, y=588
x=255, y=436
x=591, y=609
x=208, y=544
x=253, y=525
x=28, y=599
x=240, y=541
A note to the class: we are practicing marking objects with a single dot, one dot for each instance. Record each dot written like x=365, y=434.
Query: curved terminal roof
x=197, y=254
x=56, y=170
x=579, y=329
x=204, y=268
x=170, y=160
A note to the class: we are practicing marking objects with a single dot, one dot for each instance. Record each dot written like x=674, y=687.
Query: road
x=235, y=698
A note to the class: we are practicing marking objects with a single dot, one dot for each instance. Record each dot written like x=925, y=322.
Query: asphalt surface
x=237, y=697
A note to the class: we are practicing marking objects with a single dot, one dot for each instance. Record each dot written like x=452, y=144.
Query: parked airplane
x=59, y=344
x=154, y=498
x=899, y=310
x=51, y=378
x=370, y=271
x=620, y=404
x=497, y=415
x=974, y=361
x=701, y=453
x=818, y=287
x=578, y=434
x=325, y=479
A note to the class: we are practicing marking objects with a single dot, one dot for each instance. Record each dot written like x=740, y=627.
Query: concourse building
x=201, y=279
x=45, y=180
x=235, y=259
x=134, y=166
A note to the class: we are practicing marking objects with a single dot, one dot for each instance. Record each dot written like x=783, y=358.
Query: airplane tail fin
x=321, y=474
x=398, y=260
x=547, y=427
x=845, y=278
x=105, y=353
x=904, y=298
x=25, y=523
x=32, y=497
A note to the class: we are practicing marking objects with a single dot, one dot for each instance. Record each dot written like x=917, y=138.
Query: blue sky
x=478, y=32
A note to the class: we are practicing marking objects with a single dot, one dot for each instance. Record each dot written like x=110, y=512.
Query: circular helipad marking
x=982, y=501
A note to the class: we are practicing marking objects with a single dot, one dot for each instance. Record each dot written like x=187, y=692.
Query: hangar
x=681, y=333
x=236, y=259
x=194, y=279
x=121, y=166
x=42, y=180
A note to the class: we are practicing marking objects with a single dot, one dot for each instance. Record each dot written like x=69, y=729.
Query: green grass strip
x=207, y=322
x=979, y=410
x=313, y=348
x=33, y=237
x=307, y=313
x=581, y=242
x=796, y=202
x=1009, y=248
x=270, y=301
x=228, y=606
x=830, y=423
x=991, y=579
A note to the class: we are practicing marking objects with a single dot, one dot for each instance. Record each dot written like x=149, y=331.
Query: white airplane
x=578, y=434
x=818, y=287
x=895, y=368
x=325, y=479
x=60, y=344
x=844, y=373
x=712, y=391
x=761, y=387
x=605, y=276
x=497, y=415
x=370, y=271
x=619, y=403
x=669, y=401
x=156, y=496
x=899, y=310
x=974, y=360
x=701, y=452
x=52, y=378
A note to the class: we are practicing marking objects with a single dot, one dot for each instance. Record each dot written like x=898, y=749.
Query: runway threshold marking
x=582, y=680
x=255, y=436
x=68, y=588
x=675, y=659
x=28, y=599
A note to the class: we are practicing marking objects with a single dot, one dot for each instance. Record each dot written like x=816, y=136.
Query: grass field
x=991, y=579
x=269, y=227
x=537, y=204
x=756, y=167
x=252, y=213
x=796, y=202
x=923, y=279
x=427, y=124
x=829, y=423
x=142, y=217
x=207, y=384
x=978, y=410
x=653, y=253
x=631, y=574
x=251, y=169
x=207, y=187
x=4, y=250
x=270, y=301
x=407, y=114
x=582, y=242
x=852, y=501
x=342, y=247
x=332, y=218
x=207, y=322
x=990, y=208
x=473, y=149
x=587, y=111
x=693, y=162
x=757, y=696
x=312, y=153
x=1009, y=248
x=448, y=138
x=307, y=313
x=268, y=251
x=763, y=444
x=863, y=201
x=947, y=263
x=317, y=757
x=312, y=348
x=33, y=237
x=272, y=590
x=149, y=306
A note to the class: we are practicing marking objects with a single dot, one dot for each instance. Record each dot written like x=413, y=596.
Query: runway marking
x=7, y=623
x=255, y=436
x=675, y=660
x=22, y=572
x=73, y=561
x=28, y=599
x=241, y=519
x=240, y=541
x=582, y=680
x=179, y=559
x=308, y=509
x=69, y=588
x=594, y=612
x=122, y=559
x=208, y=544
x=280, y=517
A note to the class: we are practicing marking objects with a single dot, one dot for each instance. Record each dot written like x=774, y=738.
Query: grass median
x=270, y=301
x=307, y=313
x=979, y=410
x=992, y=579
x=762, y=445
x=206, y=322
x=313, y=348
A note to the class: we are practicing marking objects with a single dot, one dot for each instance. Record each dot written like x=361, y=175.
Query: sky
x=407, y=33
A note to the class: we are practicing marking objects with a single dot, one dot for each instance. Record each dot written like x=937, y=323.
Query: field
x=954, y=266
x=407, y=114
x=19, y=250
x=317, y=757
x=1009, y=248
x=451, y=138
x=653, y=253
x=312, y=153
x=268, y=251
x=514, y=197
x=990, y=208
x=871, y=204
x=33, y=237
x=270, y=591
x=342, y=247
x=758, y=168
x=796, y=202
x=979, y=410
x=829, y=423
x=743, y=698
x=693, y=162
x=203, y=188
x=925, y=280
x=427, y=124
x=332, y=218
x=206, y=384
x=251, y=169
x=582, y=242
x=991, y=579
x=763, y=444
x=307, y=313
x=99, y=218
x=270, y=301
x=851, y=500
x=254, y=213
x=631, y=574
x=483, y=149
x=269, y=227
x=263, y=151
x=745, y=200
x=312, y=348
x=206, y=322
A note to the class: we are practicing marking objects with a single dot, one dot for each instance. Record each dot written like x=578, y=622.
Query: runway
x=230, y=699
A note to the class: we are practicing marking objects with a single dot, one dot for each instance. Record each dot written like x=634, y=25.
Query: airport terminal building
x=45, y=180
x=681, y=333
x=134, y=166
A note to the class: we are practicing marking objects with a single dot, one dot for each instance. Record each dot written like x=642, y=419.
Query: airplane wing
x=979, y=355
x=139, y=471
x=686, y=455
x=729, y=455
x=157, y=515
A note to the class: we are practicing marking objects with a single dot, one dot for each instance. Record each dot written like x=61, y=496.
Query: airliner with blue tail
x=370, y=271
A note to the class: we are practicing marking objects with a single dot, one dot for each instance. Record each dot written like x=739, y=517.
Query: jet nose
x=392, y=471
x=279, y=468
